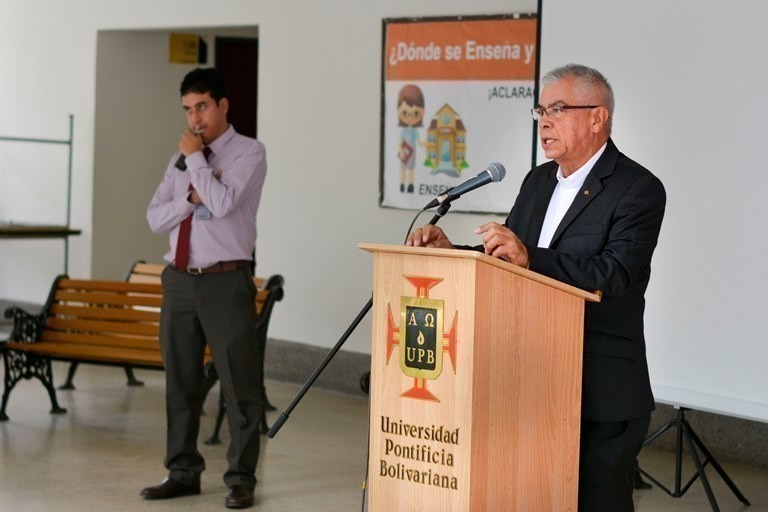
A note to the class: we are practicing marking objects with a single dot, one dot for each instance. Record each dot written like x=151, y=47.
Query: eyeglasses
x=556, y=111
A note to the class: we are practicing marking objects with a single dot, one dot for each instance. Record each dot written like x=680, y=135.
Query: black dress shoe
x=239, y=496
x=170, y=488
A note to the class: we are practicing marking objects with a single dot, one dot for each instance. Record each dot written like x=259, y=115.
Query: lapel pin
x=586, y=192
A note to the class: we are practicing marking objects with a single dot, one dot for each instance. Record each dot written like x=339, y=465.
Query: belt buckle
x=194, y=271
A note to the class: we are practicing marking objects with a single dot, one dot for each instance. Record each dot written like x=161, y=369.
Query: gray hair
x=587, y=80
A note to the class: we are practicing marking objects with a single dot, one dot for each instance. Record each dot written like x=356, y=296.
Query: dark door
x=237, y=59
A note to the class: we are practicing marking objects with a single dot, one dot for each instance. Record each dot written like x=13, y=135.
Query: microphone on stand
x=493, y=173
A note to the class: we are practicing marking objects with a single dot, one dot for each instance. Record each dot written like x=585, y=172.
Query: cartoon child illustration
x=410, y=112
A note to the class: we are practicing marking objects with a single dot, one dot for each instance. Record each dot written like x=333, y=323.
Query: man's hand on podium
x=429, y=236
x=503, y=243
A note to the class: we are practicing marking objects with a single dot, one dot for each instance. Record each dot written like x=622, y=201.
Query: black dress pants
x=217, y=308
x=607, y=463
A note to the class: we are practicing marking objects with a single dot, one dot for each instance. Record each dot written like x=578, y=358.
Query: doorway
x=138, y=122
x=237, y=59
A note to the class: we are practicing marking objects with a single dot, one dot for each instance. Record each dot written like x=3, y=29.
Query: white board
x=691, y=105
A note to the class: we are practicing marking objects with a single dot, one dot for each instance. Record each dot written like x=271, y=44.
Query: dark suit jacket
x=604, y=242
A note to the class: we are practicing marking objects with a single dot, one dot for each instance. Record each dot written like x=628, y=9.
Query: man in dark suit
x=591, y=218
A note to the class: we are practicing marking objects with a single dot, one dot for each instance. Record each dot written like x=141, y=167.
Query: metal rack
x=47, y=231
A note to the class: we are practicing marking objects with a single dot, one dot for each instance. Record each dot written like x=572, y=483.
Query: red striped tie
x=182, y=243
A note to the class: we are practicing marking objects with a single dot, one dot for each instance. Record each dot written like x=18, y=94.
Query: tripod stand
x=684, y=434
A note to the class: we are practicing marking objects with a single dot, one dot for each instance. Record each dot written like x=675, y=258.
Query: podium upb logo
x=420, y=354
x=421, y=338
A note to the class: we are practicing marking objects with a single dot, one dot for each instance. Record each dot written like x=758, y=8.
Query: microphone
x=494, y=172
x=181, y=162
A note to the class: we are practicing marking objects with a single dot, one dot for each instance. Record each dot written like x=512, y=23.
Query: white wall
x=137, y=123
x=320, y=115
x=319, y=107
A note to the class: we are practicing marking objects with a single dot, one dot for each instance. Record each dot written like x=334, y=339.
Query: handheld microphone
x=494, y=172
x=181, y=162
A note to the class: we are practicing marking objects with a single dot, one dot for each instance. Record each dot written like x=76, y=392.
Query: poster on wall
x=456, y=97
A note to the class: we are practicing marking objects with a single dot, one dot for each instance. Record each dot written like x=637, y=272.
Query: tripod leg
x=718, y=467
x=679, y=453
x=670, y=424
x=699, y=467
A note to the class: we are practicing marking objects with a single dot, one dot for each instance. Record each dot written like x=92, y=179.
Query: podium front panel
x=475, y=386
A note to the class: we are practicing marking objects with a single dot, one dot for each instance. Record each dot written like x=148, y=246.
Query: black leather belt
x=222, y=266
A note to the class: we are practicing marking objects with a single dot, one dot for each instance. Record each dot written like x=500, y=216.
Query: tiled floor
x=111, y=442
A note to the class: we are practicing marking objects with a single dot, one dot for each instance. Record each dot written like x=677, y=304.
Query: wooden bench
x=104, y=322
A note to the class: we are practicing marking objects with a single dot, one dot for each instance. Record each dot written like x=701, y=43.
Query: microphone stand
x=441, y=210
x=278, y=424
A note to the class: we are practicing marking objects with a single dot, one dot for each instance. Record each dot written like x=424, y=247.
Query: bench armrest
x=274, y=285
x=27, y=327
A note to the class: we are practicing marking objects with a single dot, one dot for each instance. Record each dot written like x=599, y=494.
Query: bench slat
x=142, y=278
x=111, y=299
x=147, y=269
x=103, y=327
x=138, y=357
x=85, y=339
x=116, y=286
x=147, y=315
x=108, y=342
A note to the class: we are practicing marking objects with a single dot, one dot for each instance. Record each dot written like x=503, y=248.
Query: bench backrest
x=109, y=310
x=110, y=321
x=113, y=321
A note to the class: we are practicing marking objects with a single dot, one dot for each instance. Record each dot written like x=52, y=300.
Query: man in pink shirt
x=207, y=203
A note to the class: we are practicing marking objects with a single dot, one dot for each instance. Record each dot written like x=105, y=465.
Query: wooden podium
x=475, y=384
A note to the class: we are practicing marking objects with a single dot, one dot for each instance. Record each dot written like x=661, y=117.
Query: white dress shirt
x=564, y=194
